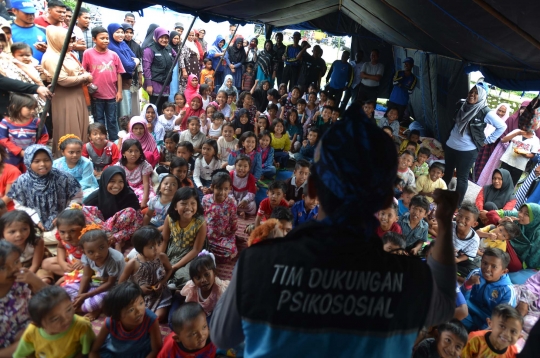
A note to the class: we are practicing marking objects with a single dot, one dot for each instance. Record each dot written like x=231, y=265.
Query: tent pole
x=59, y=65
x=496, y=14
x=175, y=62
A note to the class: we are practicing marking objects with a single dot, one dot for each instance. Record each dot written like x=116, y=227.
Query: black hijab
x=171, y=37
x=503, y=195
x=134, y=46
x=149, y=39
x=237, y=55
x=261, y=96
x=248, y=127
x=110, y=204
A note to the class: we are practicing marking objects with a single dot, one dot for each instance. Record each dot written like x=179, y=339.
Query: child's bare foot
x=242, y=214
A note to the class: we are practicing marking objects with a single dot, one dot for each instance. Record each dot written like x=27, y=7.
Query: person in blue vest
x=404, y=84
x=328, y=289
x=340, y=77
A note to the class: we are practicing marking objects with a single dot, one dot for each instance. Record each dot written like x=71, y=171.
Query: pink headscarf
x=190, y=91
x=147, y=141
x=197, y=42
x=190, y=112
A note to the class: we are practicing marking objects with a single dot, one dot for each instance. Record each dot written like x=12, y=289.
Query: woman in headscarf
x=260, y=95
x=175, y=43
x=194, y=109
x=499, y=194
x=352, y=177
x=189, y=61
x=199, y=47
x=43, y=191
x=6, y=28
x=147, y=141
x=192, y=88
x=137, y=76
x=116, y=210
x=158, y=59
x=251, y=52
x=129, y=61
x=495, y=157
x=202, y=41
x=149, y=39
x=215, y=52
x=467, y=137
x=235, y=59
x=503, y=112
x=71, y=100
x=266, y=67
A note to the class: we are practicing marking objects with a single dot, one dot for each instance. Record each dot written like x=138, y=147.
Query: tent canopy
x=501, y=35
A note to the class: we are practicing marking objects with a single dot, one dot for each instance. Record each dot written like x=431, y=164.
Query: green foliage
x=70, y=3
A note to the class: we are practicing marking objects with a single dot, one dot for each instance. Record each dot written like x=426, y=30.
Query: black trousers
x=462, y=162
x=290, y=76
x=515, y=173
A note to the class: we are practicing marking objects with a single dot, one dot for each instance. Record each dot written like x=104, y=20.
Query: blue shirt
x=403, y=87
x=464, y=143
x=412, y=236
x=341, y=74
x=402, y=209
x=300, y=215
x=29, y=35
x=290, y=55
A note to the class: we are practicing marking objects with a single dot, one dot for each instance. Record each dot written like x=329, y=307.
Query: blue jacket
x=482, y=298
x=299, y=213
x=269, y=162
x=256, y=163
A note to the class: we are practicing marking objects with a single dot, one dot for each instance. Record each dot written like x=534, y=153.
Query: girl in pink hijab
x=148, y=142
x=192, y=88
x=194, y=109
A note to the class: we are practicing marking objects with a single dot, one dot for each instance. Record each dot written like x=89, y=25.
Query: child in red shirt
x=276, y=197
x=102, y=152
x=388, y=218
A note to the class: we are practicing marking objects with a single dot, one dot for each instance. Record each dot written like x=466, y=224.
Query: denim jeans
x=104, y=111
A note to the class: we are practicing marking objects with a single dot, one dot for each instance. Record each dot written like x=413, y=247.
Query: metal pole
x=175, y=62
x=59, y=65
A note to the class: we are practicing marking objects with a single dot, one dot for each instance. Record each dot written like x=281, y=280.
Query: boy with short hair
x=388, y=221
x=284, y=216
x=465, y=239
x=231, y=100
x=305, y=210
x=505, y=330
x=336, y=112
x=404, y=171
x=248, y=78
x=190, y=336
x=307, y=151
x=413, y=226
x=405, y=200
x=208, y=73
x=427, y=184
x=369, y=109
x=487, y=287
x=391, y=121
x=323, y=121
x=168, y=119
x=420, y=166
x=393, y=242
x=276, y=197
x=449, y=342
x=106, y=69
x=297, y=184
x=414, y=137
x=272, y=111
x=496, y=236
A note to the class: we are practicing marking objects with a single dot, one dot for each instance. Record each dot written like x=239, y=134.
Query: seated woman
x=114, y=206
x=43, y=191
x=498, y=195
x=529, y=301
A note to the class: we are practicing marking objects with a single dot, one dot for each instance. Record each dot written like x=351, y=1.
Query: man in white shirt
x=371, y=75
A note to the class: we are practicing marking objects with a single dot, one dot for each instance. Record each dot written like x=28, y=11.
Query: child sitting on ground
x=414, y=137
x=391, y=121
x=190, y=336
x=123, y=124
x=204, y=288
x=426, y=184
x=244, y=186
x=497, y=236
x=150, y=270
x=369, y=109
x=227, y=143
x=159, y=204
x=267, y=155
x=307, y=151
x=465, y=239
x=168, y=119
x=420, y=165
x=19, y=130
x=168, y=151
x=393, y=243
x=305, y=210
x=404, y=168
x=388, y=220
x=408, y=192
x=413, y=226
x=450, y=340
x=205, y=165
x=276, y=197
x=180, y=168
x=194, y=135
x=276, y=227
x=297, y=184
x=221, y=219
x=185, y=150
x=130, y=329
x=499, y=341
x=216, y=127
x=322, y=120
x=55, y=331
x=248, y=144
x=99, y=150
x=487, y=287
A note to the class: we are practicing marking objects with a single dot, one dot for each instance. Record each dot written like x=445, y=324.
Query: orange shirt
x=8, y=177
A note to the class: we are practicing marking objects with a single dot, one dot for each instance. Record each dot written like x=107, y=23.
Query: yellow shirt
x=77, y=339
x=426, y=185
x=403, y=146
x=283, y=143
x=494, y=244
